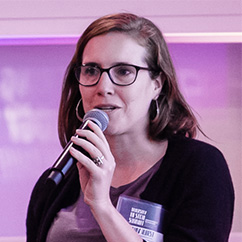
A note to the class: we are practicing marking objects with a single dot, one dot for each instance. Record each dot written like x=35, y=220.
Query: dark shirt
x=76, y=222
x=193, y=184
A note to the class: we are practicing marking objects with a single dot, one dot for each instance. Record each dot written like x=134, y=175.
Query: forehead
x=114, y=48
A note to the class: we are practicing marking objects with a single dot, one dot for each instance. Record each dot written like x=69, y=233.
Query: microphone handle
x=65, y=161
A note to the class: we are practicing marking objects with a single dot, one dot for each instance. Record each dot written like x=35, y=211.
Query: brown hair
x=175, y=115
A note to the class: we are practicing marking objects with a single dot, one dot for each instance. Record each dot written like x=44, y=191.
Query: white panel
x=46, y=18
x=75, y=26
x=87, y=8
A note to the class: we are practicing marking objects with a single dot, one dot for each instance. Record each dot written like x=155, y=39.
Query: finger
x=83, y=160
x=88, y=146
x=96, y=138
x=96, y=129
x=83, y=174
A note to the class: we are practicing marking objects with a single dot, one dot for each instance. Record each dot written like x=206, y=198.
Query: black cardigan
x=193, y=183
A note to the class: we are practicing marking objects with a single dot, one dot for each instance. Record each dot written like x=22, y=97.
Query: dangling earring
x=77, y=112
x=157, y=111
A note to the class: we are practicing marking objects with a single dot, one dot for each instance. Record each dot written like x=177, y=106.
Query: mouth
x=106, y=108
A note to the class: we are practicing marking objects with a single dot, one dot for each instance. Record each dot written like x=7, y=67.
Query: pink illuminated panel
x=30, y=86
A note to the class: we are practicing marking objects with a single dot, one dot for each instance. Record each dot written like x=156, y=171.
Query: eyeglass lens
x=120, y=74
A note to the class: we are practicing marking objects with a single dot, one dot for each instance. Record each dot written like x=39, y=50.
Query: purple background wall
x=30, y=86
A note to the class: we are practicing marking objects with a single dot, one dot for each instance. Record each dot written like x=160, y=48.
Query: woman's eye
x=91, y=71
x=123, y=71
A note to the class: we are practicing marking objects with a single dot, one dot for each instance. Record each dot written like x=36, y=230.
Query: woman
x=148, y=151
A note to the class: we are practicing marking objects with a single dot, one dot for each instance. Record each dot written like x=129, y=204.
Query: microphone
x=65, y=161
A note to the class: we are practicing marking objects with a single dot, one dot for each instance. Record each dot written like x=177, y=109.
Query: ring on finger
x=98, y=160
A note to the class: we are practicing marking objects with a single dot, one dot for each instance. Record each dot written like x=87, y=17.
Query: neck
x=134, y=156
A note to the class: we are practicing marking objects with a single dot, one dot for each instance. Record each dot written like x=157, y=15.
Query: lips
x=106, y=108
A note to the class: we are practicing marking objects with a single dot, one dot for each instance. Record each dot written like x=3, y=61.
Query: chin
x=112, y=131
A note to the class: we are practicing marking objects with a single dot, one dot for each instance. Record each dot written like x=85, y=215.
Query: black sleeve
x=46, y=200
x=204, y=204
x=36, y=207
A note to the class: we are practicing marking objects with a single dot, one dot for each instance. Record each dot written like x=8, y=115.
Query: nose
x=105, y=85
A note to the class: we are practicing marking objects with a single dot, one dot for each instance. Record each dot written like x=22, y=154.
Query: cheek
x=130, y=97
x=142, y=95
x=140, y=102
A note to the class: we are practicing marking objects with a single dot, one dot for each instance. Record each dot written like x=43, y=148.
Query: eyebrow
x=113, y=64
x=90, y=64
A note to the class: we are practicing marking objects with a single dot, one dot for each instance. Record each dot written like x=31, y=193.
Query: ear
x=157, y=87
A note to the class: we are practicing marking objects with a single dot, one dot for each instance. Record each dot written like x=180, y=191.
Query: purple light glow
x=30, y=86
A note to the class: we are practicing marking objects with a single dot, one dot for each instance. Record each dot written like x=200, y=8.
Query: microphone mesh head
x=97, y=116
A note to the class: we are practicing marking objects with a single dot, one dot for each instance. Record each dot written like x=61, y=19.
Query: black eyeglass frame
x=107, y=70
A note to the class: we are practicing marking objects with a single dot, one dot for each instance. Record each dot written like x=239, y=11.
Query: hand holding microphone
x=95, y=180
x=65, y=161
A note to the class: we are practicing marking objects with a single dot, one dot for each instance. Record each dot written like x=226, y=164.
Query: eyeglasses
x=120, y=74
